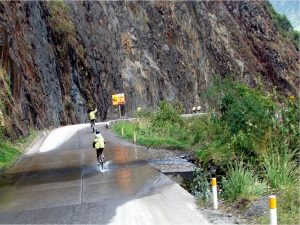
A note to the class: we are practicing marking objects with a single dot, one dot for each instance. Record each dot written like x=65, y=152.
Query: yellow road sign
x=118, y=99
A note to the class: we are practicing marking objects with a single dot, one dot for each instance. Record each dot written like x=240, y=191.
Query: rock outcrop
x=57, y=59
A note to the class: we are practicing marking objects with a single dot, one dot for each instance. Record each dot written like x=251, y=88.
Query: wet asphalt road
x=65, y=185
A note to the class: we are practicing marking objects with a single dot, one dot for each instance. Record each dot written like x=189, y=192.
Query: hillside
x=58, y=59
x=289, y=8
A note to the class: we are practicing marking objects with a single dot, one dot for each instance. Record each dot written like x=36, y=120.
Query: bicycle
x=101, y=161
x=93, y=125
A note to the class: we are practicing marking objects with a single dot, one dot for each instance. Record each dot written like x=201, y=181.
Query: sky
x=290, y=8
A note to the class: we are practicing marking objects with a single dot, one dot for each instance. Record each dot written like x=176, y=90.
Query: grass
x=147, y=140
x=288, y=202
x=128, y=129
x=164, y=128
x=288, y=206
x=8, y=155
x=11, y=151
x=242, y=183
x=282, y=174
x=281, y=170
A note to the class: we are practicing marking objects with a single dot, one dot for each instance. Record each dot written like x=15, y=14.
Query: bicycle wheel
x=101, y=162
x=93, y=126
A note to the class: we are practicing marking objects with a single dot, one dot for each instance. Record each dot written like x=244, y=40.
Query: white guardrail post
x=273, y=209
x=214, y=192
x=122, y=131
x=134, y=137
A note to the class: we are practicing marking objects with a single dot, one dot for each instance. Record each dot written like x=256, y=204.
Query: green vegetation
x=240, y=126
x=60, y=18
x=284, y=26
x=201, y=188
x=281, y=170
x=259, y=131
x=163, y=128
x=63, y=27
x=242, y=183
x=251, y=128
x=10, y=151
x=149, y=138
x=8, y=155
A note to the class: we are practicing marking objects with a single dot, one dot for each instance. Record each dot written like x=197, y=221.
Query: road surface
x=60, y=182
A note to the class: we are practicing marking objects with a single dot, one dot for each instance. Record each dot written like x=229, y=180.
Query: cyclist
x=92, y=117
x=198, y=108
x=98, y=144
x=194, y=109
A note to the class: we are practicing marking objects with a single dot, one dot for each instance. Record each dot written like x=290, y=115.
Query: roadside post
x=273, y=209
x=120, y=115
x=134, y=137
x=118, y=100
x=122, y=131
x=214, y=192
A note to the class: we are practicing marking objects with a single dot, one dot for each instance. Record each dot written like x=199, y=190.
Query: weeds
x=59, y=11
x=9, y=152
x=288, y=206
x=241, y=183
x=63, y=27
x=244, y=126
x=146, y=137
x=162, y=128
x=8, y=155
x=281, y=170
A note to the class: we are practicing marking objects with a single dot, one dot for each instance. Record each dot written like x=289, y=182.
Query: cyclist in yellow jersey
x=99, y=144
x=92, y=117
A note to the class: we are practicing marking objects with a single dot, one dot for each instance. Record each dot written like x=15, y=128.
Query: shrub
x=238, y=125
x=166, y=114
x=241, y=183
x=196, y=128
x=144, y=114
x=201, y=186
x=244, y=109
x=289, y=125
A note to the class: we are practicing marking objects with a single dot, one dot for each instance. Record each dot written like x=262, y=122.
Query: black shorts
x=99, y=151
x=92, y=121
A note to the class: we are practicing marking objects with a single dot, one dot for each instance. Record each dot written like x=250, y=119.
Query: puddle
x=105, y=167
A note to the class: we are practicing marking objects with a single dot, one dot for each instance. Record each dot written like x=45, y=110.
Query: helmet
x=97, y=131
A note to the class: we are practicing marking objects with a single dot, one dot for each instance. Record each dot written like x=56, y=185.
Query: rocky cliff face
x=57, y=59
